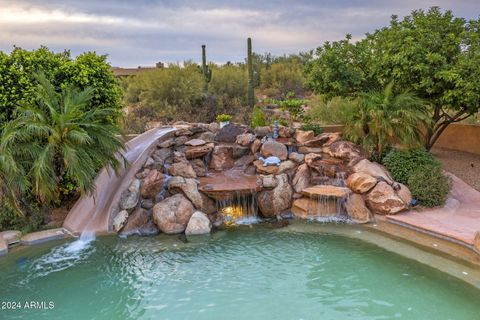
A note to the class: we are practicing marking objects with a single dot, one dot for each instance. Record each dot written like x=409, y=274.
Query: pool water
x=248, y=273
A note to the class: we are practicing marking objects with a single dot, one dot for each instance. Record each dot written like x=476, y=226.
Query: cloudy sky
x=143, y=32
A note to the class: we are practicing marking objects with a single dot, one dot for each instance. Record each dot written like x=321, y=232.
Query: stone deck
x=458, y=220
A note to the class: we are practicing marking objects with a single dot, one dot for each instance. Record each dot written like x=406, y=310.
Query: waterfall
x=239, y=208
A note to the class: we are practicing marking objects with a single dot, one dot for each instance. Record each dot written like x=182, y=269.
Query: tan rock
x=152, y=184
x=222, y=158
x=357, y=210
x=193, y=152
x=305, y=150
x=324, y=139
x=195, y=142
x=301, y=180
x=182, y=169
x=344, y=150
x=198, y=166
x=268, y=181
x=265, y=169
x=275, y=149
x=373, y=169
x=172, y=214
x=304, y=136
x=244, y=161
x=213, y=127
x=245, y=139
x=311, y=159
x=198, y=224
x=189, y=187
x=272, y=202
x=255, y=146
x=297, y=157
x=120, y=220
x=306, y=208
x=476, y=242
x=404, y=194
x=129, y=198
x=285, y=166
x=320, y=191
x=382, y=199
x=167, y=143
x=361, y=182
x=136, y=220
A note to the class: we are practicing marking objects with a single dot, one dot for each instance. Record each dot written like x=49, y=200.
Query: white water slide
x=94, y=212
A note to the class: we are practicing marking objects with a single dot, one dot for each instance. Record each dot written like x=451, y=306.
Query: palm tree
x=383, y=119
x=57, y=139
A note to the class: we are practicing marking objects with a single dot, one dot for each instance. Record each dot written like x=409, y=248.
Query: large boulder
x=373, y=169
x=382, y=199
x=275, y=149
x=192, y=152
x=286, y=166
x=301, y=180
x=357, y=210
x=152, y=184
x=172, y=214
x=345, y=150
x=361, y=182
x=229, y=133
x=182, y=169
x=160, y=156
x=139, y=223
x=297, y=157
x=306, y=208
x=272, y=202
x=222, y=158
x=189, y=187
x=304, y=136
x=404, y=193
x=198, y=224
x=129, y=198
x=324, y=139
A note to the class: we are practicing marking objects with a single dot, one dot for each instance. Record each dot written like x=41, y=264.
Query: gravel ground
x=464, y=165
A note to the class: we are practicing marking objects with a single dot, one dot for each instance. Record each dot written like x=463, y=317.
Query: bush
x=333, y=111
x=402, y=163
x=223, y=117
x=429, y=185
x=316, y=128
x=258, y=118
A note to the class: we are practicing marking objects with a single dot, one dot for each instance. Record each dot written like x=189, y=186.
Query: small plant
x=429, y=185
x=223, y=118
x=402, y=163
x=258, y=118
x=316, y=128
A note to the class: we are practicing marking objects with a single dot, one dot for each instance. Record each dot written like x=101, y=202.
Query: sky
x=143, y=32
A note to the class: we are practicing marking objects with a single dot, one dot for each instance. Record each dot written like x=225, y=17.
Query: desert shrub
x=403, y=163
x=429, y=186
x=332, y=111
x=223, y=117
x=258, y=118
x=283, y=76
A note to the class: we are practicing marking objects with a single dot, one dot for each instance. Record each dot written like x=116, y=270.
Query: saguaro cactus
x=206, y=71
x=251, y=94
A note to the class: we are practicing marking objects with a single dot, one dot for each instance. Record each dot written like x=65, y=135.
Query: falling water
x=239, y=208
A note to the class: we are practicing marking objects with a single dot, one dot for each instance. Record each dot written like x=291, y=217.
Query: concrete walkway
x=458, y=220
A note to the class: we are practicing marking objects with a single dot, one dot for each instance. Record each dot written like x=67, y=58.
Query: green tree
x=383, y=119
x=55, y=139
x=432, y=54
x=18, y=81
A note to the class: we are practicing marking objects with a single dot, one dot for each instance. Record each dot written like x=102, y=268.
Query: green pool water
x=248, y=273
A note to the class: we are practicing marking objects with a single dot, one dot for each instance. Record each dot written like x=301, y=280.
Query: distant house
x=125, y=72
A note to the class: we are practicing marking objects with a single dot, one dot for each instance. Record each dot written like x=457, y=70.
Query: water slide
x=93, y=212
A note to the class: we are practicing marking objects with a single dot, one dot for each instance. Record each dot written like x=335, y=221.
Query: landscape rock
x=245, y=139
x=195, y=142
x=255, y=146
x=262, y=131
x=297, y=157
x=357, y=210
x=321, y=191
x=207, y=136
x=147, y=204
x=136, y=221
x=229, y=133
x=213, y=127
x=192, y=152
x=344, y=150
x=306, y=208
x=273, y=148
x=301, y=180
x=182, y=169
x=268, y=181
x=273, y=202
x=285, y=132
x=181, y=140
x=304, y=136
x=189, y=187
x=361, y=182
x=172, y=214
x=142, y=174
x=324, y=139
x=198, y=224
x=152, y=184
x=167, y=143
x=404, y=194
x=129, y=198
x=222, y=158
x=244, y=161
x=120, y=220
x=382, y=199
x=373, y=169
x=476, y=242
x=285, y=166
x=264, y=169
x=239, y=151
x=306, y=150
x=161, y=155
x=198, y=166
